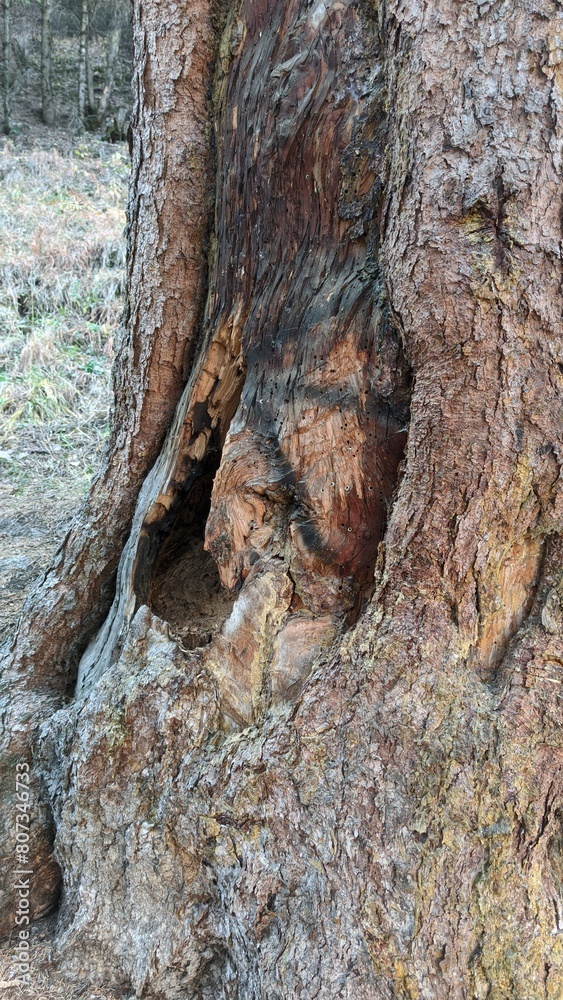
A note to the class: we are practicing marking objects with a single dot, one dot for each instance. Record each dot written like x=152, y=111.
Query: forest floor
x=62, y=253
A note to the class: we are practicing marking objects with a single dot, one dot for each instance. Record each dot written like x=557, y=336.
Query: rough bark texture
x=351, y=786
x=168, y=233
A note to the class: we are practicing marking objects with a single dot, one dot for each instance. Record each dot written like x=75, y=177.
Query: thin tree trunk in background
x=90, y=82
x=82, y=58
x=6, y=96
x=113, y=44
x=47, y=102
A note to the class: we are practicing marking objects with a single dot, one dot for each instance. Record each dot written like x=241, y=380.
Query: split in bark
x=300, y=386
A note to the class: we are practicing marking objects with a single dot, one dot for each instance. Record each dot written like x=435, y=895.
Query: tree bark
x=331, y=765
x=6, y=83
x=47, y=102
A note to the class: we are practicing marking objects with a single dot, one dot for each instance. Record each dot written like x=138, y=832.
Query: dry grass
x=62, y=255
x=61, y=277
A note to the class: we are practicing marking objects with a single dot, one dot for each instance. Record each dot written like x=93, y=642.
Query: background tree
x=6, y=81
x=342, y=779
x=83, y=59
x=47, y=102
x=117, y=19
x=92, y=63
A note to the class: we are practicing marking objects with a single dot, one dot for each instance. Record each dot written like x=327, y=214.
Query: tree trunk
x=47, y=102
x=314, y=747
x=6, y=83
x=113, y=44
x=82, y=61
x=91, y=96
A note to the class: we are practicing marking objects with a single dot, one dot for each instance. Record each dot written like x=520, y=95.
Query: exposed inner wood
x=311, y=457
x=310, y=462
x=505, y=599
x=301, y=388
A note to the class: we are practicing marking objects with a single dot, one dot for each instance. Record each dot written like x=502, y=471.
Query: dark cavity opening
x=185, y=589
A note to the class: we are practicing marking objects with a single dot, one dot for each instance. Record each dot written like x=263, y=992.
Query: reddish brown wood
x=300, y=387
x=310, y=462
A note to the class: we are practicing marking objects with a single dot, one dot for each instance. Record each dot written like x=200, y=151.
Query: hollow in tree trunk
x=315, y=741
